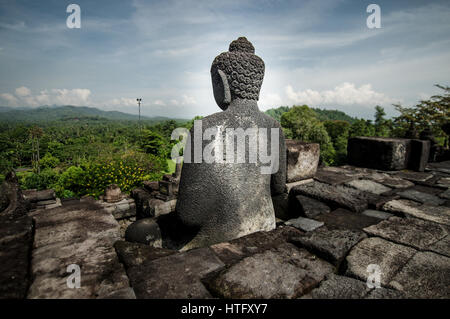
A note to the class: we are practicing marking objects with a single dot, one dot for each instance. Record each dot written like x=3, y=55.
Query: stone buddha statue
x=230, y=196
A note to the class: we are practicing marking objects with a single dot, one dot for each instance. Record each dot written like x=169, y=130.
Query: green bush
x=49, y=161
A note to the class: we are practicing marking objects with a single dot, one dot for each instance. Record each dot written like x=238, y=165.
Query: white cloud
x=343, y=94
x=10, y=99
x=23, y=91
x=24, y=97
x=159, y=102
x=123, y=101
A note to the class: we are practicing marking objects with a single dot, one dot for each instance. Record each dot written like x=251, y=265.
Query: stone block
x=420, y=152
x=289, y=186
x=301, y=160
x=388, y=256
x=304, y=224
x=377, y=214
x=437, y=214
x=369, y=186
x=281, y=272
x=177, y=276
x=332, y=178
x=330, y=245
x=334, y=196
x=379, y=153
x=421, y=197
x=281, y=207
x=151, y=186
x=306, y=206
x=420, y=234
x=136, y=254
x=113, y=194
x=339, y=287
x=425, y=276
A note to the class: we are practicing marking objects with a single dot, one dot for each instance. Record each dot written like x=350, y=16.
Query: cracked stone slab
x=175, y=276
x=281, y=272
x=390, y=257
x=377, y=214
x=384, y=293
x=307, y=206
x=437, y=214
x=338, y=195
x=389, y=181
x=421, y=197
x=414, y=176
x=136, y=254
x=332, y=178
x=331, y=245
x=418, y=233
x=366, y=185
x=345, y=219
x=304, y=224
x=233, y=251
x=339, y=287
x=426, y=275
x=82, y=234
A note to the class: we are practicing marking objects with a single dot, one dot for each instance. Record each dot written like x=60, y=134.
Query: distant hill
x=322, y=114
x=66, y=113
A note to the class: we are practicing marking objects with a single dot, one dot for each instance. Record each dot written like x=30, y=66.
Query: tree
x=381, y=124
x=432, y=114
x=301, y=123
x=35, y=134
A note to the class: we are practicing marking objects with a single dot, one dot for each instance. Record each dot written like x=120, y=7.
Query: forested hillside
x=64, y=113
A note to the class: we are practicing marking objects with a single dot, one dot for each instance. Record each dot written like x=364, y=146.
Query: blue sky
x=319, y=53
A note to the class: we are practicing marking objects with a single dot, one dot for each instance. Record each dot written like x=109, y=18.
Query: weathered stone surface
x=445, y=195
x=438, y=214
x=136, y=254
x=414, y=232
x=332, y=178
x=175, y=276
x=377, y=214
x=81, y=234
x=345, y=219
x=378, y=152
x=113, y=194
x=148, y=206
x=307, y=206
x=302, y=160
x=420, y=152
x=237, y=249
x=384, y=293
x=122, y=209
x=34, y=196
x=145, y=231
x=219, y=198
x=394, y=182
x=13, y=202
x=304, y=224
x=388, y=256
x=338, y=195
x=151, y=186
x=421, y=197
x=289, y=186
x=331, y=245
x=442, y=246
x=339, y=287
x=282, y=272
x=444, y=182
x=426, y=275
x=414, y=176
x=367, y=185
x=16, y=237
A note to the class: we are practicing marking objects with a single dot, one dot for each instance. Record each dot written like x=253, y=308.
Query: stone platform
x=331, y=229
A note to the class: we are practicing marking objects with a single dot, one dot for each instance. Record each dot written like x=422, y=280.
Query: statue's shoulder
x=270, y=120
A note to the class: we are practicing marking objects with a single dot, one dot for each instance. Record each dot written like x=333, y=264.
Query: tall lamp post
x=139, y=104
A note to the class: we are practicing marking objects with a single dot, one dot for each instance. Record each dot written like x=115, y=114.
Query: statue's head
x=237, y=74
